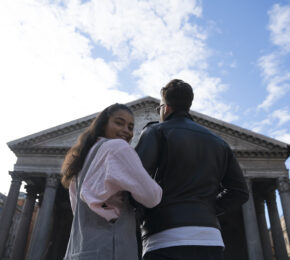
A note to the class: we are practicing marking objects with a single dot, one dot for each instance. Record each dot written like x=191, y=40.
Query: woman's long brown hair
x=76, y=155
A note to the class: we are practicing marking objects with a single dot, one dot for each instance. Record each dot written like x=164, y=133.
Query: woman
x=101, y=170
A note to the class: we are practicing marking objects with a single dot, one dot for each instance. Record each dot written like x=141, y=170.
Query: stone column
x=40, y=234
x=9, y=209
x=24, y=224
x=264, y=233
x=255, y=251
x=284, y=191
x=276, y=229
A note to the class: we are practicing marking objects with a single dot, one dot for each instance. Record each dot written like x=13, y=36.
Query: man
x=200, y=178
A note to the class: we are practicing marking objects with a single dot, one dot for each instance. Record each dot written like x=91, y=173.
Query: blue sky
x=62, y=60
x=245, y=36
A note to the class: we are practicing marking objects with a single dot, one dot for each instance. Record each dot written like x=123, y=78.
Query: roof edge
x=81, y=122
x=199, y=117
x=219, y=122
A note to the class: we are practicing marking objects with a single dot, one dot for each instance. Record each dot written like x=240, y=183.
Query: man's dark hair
x=178, y=94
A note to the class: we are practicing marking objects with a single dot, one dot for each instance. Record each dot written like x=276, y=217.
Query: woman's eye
x=119, y=123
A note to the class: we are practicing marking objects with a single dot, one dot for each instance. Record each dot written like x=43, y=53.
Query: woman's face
x=120, y=125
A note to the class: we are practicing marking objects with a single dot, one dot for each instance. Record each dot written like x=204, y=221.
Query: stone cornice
x=41, y=150
x=253, y=138
x=61, y=151
x=261, y=154
x=49, y=135
x=140, y=103
x=23, y=145
x=70, y=127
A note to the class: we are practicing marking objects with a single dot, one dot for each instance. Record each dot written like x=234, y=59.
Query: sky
x=63, y=60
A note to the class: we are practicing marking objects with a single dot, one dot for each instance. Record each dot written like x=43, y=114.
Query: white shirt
x=115, y=168
x=183, y=236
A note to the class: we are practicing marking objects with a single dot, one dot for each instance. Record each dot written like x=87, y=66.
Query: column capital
x=52, y=180
x=283, y=184
x=16, y=177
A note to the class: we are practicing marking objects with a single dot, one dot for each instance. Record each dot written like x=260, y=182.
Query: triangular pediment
x=60, y=138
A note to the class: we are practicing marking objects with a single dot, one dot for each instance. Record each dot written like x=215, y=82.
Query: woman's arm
x=127, y=172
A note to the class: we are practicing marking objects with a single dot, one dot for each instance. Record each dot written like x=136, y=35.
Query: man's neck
x=176, y=114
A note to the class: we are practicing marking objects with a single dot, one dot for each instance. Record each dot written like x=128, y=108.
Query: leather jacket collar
x=178, y=114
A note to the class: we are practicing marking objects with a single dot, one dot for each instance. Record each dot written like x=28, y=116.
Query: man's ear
x=167, y=109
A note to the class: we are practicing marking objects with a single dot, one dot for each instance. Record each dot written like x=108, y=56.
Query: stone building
x=284, y=230
x=14, y=223
x=2, y=201
x=40, y=155
x=283, y=224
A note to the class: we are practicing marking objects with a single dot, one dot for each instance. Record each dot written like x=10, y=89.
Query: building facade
x=9, y=242
x=245, y=232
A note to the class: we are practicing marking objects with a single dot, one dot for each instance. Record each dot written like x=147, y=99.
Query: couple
x=186, y=177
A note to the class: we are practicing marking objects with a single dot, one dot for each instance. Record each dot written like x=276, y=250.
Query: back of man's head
x=178, y=95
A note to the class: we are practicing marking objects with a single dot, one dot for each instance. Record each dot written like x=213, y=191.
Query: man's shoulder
x=151, y=124
x=152, y=129
x=210, y=133
x=195, y=127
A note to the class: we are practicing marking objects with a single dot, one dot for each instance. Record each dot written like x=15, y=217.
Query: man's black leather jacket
x=193, y=166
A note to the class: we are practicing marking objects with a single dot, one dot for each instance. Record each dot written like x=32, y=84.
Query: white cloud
x=146, y=31
x=280, y=26
x=159, y=36
x=282, y=135
x=233, y=65
x=50, y=76
x=47, y=66
x=277, y=87
x=272, y=124
x=275, y=77
x=283, y=115
x=260, y=126
x=269, y=65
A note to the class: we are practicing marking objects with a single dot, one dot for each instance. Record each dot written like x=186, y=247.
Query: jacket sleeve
x=234, y=191
x=148, y=149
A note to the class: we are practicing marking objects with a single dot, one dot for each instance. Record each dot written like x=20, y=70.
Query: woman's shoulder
x=110, y=145
x=116, y=144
